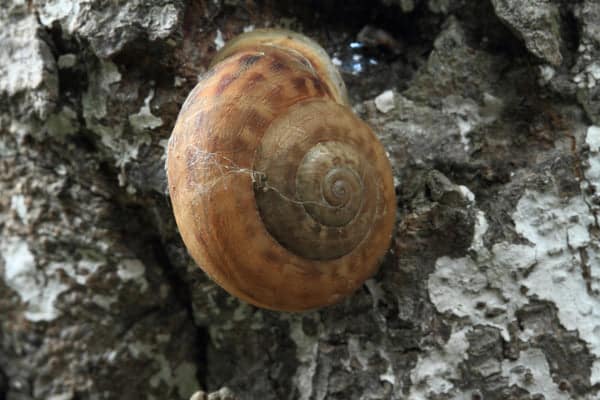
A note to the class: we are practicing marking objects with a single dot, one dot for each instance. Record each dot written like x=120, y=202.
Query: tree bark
x=490, y=113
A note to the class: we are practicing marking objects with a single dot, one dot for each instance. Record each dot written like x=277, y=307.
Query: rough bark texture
x=490, y=113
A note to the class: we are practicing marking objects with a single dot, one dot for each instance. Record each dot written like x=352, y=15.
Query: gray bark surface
x=490, y=113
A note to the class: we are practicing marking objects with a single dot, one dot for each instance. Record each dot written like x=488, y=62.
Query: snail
x=281, y=194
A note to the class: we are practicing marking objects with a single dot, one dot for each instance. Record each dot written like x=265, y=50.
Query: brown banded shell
x=280, y=192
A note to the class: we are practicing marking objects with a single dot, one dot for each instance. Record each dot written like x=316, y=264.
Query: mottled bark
x=490, y=113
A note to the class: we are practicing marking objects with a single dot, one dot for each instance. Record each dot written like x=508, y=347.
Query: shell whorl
x=281, y=194
x=317, y=192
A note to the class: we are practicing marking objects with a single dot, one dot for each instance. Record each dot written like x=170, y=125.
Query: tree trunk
x=490, y=114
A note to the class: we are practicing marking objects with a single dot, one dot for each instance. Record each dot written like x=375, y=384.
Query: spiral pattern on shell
x=281, y=194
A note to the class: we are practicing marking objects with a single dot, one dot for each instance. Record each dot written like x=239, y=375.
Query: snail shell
x=282, y=195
